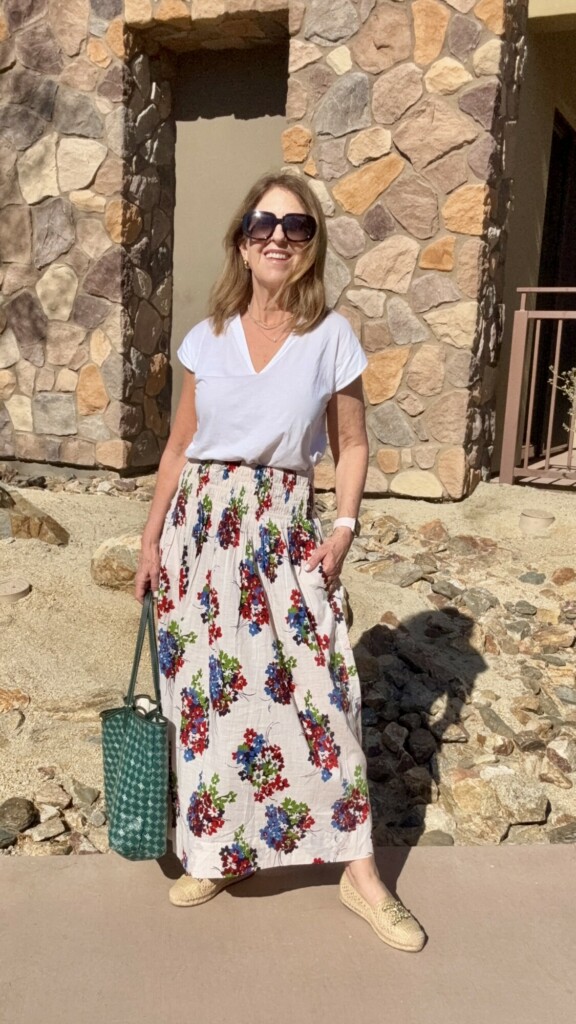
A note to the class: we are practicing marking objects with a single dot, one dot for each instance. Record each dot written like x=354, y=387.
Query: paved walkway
x=93, y=940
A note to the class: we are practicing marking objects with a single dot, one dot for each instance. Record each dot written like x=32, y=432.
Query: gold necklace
x=272, y=327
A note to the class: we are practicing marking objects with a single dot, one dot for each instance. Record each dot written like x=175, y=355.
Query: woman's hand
x=332, y=554
x=148, y=571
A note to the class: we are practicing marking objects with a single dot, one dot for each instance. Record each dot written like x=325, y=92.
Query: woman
x=258, y=676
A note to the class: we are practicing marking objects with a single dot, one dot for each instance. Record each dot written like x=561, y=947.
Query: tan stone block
x=359, y=190
x=425, y=455
x=301, y=54
x=37, y=170
x=8, y=381
x=425, y=375
x=296, y=12
x=487, y=59
x=389, y=265
x=109, y=176
x=157, y=374
x=69, y=22
x=369, y=145
x=310, y=168
x=123, y=221
x=340, y=60
x=26, y=374
x=20, y=412
x=172, y=10
x=88, y=201
x=138, y=13
x=446, y=417
x=388, y=459
x=80, y=74
x=77, y=161
x=383, y=40
x=368, y=300
x=296, y=142
x=452, y=470
x=56, y=290
x=376, y=336
x=416, y=483
x=296, y=100
x=439, y=255
x=446, y=76
x=63, y=342
x=456, y=325
x=113, y=454
x=491, y=12
x=466, y=210
x=92, y=237
x=382, y=376
x=116, y=38
x=376, y=482
x=100, y=347
x=430, y=20
x=66, y=380
x=44, y=379
x=98, y=53
x=91, y=393
x=471, y=264
x=4, y=30
x=76, y=452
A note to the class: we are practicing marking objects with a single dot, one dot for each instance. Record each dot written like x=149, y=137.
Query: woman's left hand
x=331, y=553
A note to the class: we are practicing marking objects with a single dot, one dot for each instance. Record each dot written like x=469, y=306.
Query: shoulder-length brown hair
x=303, y=293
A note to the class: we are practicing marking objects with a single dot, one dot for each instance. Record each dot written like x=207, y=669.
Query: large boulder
x=115, y=561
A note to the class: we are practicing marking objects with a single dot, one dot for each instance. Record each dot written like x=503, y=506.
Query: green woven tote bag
x=135, y=755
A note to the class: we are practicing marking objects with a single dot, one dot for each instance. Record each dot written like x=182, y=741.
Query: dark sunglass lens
x=258, y=225
x=299, y=227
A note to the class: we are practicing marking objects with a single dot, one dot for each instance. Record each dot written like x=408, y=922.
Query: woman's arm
x=349, y=444
x=171, y=465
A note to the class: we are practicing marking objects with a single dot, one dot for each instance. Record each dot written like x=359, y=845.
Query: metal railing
x=542, y=356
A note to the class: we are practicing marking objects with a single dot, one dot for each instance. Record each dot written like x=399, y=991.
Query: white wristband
x=345, y=521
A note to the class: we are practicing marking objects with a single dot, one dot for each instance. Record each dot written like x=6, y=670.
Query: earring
x=246, y=264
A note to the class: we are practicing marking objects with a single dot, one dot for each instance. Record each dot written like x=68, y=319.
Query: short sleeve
x=350, y=357
x=189, y=351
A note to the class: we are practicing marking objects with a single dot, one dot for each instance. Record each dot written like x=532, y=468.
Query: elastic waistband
x=261, y=490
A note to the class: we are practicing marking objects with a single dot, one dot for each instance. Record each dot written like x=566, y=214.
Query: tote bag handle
x=146, y=625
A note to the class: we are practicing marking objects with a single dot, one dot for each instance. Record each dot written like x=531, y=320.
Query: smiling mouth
x=278, y=256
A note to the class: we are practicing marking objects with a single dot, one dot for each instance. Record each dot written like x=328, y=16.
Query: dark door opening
x=557, y=270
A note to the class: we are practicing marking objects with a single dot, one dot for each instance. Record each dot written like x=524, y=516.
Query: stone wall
x=396, y=111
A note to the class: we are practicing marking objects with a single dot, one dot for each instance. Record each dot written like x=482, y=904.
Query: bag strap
x=146, y=624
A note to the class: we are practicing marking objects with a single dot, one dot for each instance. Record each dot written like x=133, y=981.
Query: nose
x=278, y=235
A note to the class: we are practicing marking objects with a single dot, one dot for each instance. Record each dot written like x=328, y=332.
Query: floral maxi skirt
x=257, y=679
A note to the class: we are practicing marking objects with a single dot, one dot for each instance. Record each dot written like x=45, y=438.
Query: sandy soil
x=69, y=644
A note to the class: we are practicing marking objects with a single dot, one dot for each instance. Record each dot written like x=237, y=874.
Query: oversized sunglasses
x=259, y=225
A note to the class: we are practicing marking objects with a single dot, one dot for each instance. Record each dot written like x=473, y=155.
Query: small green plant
x=566, y=384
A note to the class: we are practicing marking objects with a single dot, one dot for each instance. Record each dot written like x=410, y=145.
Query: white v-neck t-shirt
x=276, y=417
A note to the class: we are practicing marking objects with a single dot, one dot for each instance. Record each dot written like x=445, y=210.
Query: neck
x=264, y=303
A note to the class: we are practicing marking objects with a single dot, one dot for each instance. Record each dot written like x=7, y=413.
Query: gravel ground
x=69, y=644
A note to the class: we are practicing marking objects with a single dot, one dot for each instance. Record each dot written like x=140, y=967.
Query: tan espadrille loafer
x=389, y=918
x=191, y=892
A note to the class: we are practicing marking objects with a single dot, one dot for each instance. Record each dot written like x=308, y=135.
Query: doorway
x=557, y=270
x=230, y=111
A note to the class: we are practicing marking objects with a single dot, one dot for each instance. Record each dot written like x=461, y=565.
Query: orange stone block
x=465, y=211
x=97, y=53
x=439, y=255
x=116, y=37
x=382, y=376
x=296, y=142
x=491, y=12
x=430, y=22
x=359, y=190
x=388, y=459
x=172, y=10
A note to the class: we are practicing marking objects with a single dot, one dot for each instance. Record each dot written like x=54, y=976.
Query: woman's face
x=272, y=260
